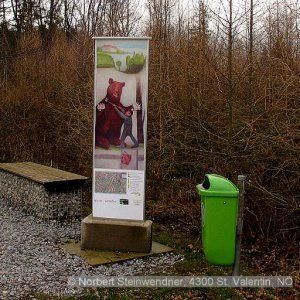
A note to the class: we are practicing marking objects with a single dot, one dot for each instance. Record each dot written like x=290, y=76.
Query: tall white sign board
x=120, y=122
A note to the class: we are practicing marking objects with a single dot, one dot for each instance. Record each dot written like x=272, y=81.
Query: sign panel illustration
x=120, y=122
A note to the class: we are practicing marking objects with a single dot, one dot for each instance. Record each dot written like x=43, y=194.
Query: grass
x=194, y=264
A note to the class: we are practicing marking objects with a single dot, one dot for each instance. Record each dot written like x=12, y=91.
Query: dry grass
x=46, y=106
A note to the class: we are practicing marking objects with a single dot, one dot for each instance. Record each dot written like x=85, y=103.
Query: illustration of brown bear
x=108, y=122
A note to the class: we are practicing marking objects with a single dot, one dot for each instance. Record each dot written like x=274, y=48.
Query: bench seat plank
x=40, y=173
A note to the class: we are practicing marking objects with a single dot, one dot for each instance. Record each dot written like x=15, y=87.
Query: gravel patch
x=31, y=260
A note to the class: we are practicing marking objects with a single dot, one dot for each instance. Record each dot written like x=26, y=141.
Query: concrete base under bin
x=116, y=235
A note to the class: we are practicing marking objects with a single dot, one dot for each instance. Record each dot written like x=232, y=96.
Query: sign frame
x=145, y=120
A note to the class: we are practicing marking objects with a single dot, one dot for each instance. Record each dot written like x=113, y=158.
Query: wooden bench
x=41, y=191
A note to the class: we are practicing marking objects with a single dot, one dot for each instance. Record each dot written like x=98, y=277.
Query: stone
x=37, y=200
x=116, y=235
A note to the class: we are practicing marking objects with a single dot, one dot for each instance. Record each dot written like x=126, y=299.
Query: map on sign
x=110, y=182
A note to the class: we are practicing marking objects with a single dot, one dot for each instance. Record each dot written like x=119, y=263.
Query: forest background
x=224, y=92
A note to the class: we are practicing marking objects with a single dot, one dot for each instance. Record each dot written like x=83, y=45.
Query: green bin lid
x=216, y=185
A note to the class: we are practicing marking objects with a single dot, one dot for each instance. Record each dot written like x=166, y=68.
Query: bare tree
x=230, y=93
x=251, y=38
x=122, y=17
x=160, y=12
x=54, y=14
x=3, y=12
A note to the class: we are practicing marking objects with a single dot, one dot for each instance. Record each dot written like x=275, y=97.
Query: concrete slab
x=96, y=258
x=112, y=234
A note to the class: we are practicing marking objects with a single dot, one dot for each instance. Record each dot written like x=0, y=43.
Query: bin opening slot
x=206, y=183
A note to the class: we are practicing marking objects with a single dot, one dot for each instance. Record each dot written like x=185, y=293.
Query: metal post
x=239, y=229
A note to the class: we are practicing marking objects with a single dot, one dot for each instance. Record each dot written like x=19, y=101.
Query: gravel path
x=31, y=260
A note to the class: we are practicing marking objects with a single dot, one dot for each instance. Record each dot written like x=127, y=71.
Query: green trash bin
x=219, y=206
